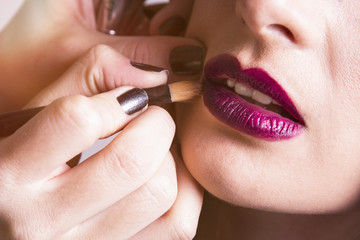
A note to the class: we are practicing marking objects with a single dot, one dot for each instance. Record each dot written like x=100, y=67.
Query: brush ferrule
x=159, y=95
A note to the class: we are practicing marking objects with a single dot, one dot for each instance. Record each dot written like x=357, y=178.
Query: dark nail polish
x=174, y=26
x=187, y=60
x=133, y=101
x=147, y=67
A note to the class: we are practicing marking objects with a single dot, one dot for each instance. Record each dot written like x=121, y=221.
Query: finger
x=100, y=70
x=182, y=56
x=137, y=210
x=66, y=26
x=151, y=9
x=97, y=68
x=61, y=131
x=96, y=4
x=127, y=163
x=181, y=221
x=172, y=19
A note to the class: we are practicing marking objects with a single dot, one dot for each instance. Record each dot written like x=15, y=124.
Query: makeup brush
x=168, y=93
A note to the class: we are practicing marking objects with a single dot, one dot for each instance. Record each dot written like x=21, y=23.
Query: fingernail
x=133, y=100
x=174, y=26
x=187, y=60
x=147, y=67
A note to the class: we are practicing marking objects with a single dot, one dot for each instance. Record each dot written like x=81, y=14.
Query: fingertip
x=166, y=119
x=156, y=122
x=153, y=75
x=133, y=101
x=146, y=67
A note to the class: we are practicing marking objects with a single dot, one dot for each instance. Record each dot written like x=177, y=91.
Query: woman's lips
x=235, y=111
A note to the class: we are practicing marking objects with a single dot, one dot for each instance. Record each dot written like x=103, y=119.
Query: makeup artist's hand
x=40, y=44
x=47, y=36
x=130, y=189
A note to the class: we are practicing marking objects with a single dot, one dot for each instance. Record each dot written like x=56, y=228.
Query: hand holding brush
x=135, y=175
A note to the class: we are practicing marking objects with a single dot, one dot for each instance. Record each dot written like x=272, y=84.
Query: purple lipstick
x=249, y=100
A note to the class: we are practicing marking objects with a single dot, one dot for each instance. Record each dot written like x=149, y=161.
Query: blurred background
x=7, y=10
x=9, y=7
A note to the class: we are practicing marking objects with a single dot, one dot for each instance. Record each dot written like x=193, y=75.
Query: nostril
x=282, y=30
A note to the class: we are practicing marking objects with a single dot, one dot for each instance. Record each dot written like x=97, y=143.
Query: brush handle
x=10, y=122
x=160, y=95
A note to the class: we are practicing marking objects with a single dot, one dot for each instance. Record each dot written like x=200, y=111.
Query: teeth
x=261, y=98
x=275, y=102
x=243, y=90
x=230, y=83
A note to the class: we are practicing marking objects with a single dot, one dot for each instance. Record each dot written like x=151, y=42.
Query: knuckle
x=99, y=53
x=77, y=113
x=162, y=192
x=181, y=227
x=94, y=71
x=127, y=164
x=127, y=158
x=139, y=51
x=162, y=188
x=183, y=230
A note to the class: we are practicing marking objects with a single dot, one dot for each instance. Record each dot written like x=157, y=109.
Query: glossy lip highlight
x=241, y=115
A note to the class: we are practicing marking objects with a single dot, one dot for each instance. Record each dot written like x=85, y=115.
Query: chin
x=254, y=173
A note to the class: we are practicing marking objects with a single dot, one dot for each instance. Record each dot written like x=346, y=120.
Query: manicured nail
x=133, y=100
x=147, y=67
x=187, y=60
x=174, y=26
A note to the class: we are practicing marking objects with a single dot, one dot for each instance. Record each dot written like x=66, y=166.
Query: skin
x=311, y=49
x=265, y=177
x=52, y=54
x=67, y=30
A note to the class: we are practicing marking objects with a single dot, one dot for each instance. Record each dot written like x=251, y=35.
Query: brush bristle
x=184, y=90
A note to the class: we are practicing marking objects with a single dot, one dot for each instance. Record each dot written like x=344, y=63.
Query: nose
x=290, y=20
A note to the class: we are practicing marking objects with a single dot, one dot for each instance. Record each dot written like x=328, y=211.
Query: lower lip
x=247, y=118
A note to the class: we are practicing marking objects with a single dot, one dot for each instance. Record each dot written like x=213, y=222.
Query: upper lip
x=228, y=67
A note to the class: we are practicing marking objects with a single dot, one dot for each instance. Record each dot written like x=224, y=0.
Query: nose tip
x=270, y=19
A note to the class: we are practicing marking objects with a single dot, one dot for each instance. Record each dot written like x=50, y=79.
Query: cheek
x=213, y=21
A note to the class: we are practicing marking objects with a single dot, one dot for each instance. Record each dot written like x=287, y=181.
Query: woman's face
x=301, y=61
